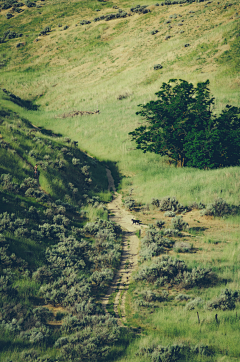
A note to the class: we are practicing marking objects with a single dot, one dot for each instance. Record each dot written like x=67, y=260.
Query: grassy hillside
x=53, y=264
x=86, y=67
x=55, y=59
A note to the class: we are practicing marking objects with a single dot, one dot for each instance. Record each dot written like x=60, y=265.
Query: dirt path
x=129, y=253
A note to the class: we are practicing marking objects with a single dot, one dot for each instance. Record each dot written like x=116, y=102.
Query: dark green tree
x=181, y=125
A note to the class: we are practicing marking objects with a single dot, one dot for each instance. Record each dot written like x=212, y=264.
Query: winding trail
x=129, y=253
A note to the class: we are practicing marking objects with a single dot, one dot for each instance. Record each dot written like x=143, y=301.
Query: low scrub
x=167, y=270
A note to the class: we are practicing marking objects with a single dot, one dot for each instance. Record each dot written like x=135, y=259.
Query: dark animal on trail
x=136, y=221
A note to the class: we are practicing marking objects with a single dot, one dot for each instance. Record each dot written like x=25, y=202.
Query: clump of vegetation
x=175, y=352
x=220, y=208
x=182, y=297
x=225, y=301
x=167, y=270
x=171, y=232
x=195, y=303
x=157, y=66
x=123, y=96
x=182, y=247
x=140, y=9
x=45, y=31
x=178, y=223
x=148, y=298
x=153, y=244
x=170, y=214
x=85, y=22
x=169, y=204
x=129, y=203
x=219, y=143
x=160, y=224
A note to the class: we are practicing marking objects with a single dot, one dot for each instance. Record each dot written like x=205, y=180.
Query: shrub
x=182, y=297
x=153, y=244
x=157, y=67
x=198, y=277
x=182, y=247
x=160, y=224
x=76, y=161
x=226, y=300
x=195, y=303
x=173, y=353
x=9, y=15
x=178, y=223
x=169, y=214
x=129, y=203
x=123, y=96
x=220, y=208
x=171, y=232
x=65, y=27
x=153, y=32
x=29, y=4
x=85, y=22
x=165, y=267
x=46, y=30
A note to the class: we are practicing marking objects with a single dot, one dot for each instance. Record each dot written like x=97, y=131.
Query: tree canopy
x=181, y=124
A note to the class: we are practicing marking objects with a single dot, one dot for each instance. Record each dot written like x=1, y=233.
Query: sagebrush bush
x=153, y=244
x=178, y=223
x=220, y=208
x=225, y=301
x=169, y=214
x=195, y=303
x=182, y=297
x=182, y=247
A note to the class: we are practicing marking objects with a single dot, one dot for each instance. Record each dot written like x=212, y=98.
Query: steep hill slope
x=54, y=266
x=109, y=65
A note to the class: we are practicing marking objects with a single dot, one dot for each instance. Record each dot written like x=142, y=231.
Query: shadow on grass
x=7, y=344
x=197, y=230
x=118, y=350
x=117, y=176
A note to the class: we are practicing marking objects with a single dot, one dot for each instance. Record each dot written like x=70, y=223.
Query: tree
x=180, y=124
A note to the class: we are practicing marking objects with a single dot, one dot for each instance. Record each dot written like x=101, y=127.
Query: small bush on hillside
x=226, y=300
x=169, y=270
x=46, y=30
x=30, y=4
x=173, y=353
x=169, y=214
x=76, y=161
x=153, y=244
x=123, y=96
x=195, y=303
x=129, y=203
x=178, y=223
x=171, y=232
x=85, y=22
x=151, y=296
x=157, y=66
x=65, y=27
x=160, y=224
x=153, y=32
x=220, y=208
x=140, y=9
x=9, y=15
x=182, y=297
x=182, y=247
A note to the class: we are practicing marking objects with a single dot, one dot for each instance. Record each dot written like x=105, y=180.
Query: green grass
x=88, y=67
